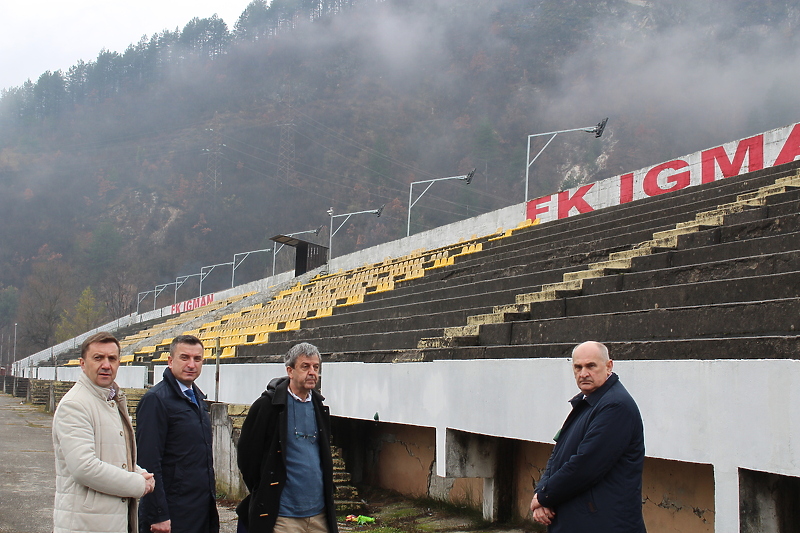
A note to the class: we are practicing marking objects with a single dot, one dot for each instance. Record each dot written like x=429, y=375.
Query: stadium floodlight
x=597, y=130
x=237, y=265
x=140, y=298
x=179, y=281
x=376, y=212
x=279, y=246
x=159, y=289
x=206, y=270
x=467, y=178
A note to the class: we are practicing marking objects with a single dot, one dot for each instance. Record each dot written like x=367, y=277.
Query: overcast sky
x=40, y=35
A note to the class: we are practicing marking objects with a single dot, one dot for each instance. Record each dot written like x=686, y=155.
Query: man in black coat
x=593, y=480
x=284, y=453
x=173, y=434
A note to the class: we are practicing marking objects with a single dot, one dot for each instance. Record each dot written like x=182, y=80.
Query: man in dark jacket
x=284, y=453
x=593, y=480
x=173, y=433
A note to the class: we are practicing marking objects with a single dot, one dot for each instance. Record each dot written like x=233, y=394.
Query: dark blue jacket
x=173, y=437
x=593, y=480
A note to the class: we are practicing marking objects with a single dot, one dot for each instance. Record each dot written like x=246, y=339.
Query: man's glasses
x=312, y=438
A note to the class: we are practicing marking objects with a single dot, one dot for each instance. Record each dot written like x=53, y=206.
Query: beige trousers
x=312, y=524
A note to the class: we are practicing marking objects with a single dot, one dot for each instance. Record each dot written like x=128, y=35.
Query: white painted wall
x=728, y=413
x=128, y=377
x=239, y=383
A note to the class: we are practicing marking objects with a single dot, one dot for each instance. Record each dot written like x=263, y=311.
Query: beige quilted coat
x=97, y=480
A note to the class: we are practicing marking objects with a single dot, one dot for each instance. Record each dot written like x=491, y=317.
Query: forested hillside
x=192, y=145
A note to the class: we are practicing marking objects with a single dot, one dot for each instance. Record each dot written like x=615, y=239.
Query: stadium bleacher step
x=496, y=318
x=600, y=269
x=447, y=342
x=462, y=331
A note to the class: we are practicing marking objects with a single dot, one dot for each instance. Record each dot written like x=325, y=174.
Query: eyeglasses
x=312, y=438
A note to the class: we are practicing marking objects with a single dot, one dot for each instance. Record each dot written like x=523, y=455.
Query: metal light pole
x=159, y=289
x=466, y=177
x=278, y=248
x=140, y=298
x=376, y=212
x=204, y=273
x=597, y=130
x=15, y=341
x=245, y=254
x=179, y=281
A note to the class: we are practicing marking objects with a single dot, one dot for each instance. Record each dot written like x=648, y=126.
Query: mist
x=707, y=78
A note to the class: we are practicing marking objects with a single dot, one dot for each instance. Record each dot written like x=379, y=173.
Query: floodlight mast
x=376, y=212
x=140, y=298
x=159, y=289
x=179, y=281
x=239, y=263
x=204, y=273
x=597, y=130
x=466, y=178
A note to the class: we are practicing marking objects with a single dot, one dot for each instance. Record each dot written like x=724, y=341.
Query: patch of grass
x=451, y=508
x=401, y=513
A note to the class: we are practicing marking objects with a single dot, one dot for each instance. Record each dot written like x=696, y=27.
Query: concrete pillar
x=726, y=499
x=441, y=452
x=489, y=502
x=469, y=455
x=226, y=470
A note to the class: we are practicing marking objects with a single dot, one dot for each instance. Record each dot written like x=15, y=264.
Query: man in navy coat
x=173, y=433
x=593, y=480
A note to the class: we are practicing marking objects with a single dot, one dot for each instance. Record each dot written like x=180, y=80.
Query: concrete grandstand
x=445, y=353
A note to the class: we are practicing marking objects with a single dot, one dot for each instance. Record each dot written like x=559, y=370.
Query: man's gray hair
x=304, y=348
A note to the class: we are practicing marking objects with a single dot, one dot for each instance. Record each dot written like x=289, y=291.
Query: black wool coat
x=173, y=437
x=260, y=458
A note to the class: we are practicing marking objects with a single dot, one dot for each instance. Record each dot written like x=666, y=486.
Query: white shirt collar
x=298, y=398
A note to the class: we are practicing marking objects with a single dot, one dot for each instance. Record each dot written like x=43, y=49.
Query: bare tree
x=43, y=299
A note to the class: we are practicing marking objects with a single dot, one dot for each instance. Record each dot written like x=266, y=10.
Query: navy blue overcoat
x=173, y=437
x=593, y=478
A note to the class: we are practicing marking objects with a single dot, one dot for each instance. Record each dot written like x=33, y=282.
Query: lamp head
x=469, y=177
x=598, y=130
x=330, y=212
x=379, y=211
x=316, y=231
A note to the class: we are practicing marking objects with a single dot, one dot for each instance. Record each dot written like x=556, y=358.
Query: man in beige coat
x=97, y=480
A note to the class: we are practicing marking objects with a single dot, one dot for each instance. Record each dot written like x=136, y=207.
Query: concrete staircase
x=346, y=495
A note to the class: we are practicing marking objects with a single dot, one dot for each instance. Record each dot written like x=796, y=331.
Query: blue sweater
x=303, y=494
